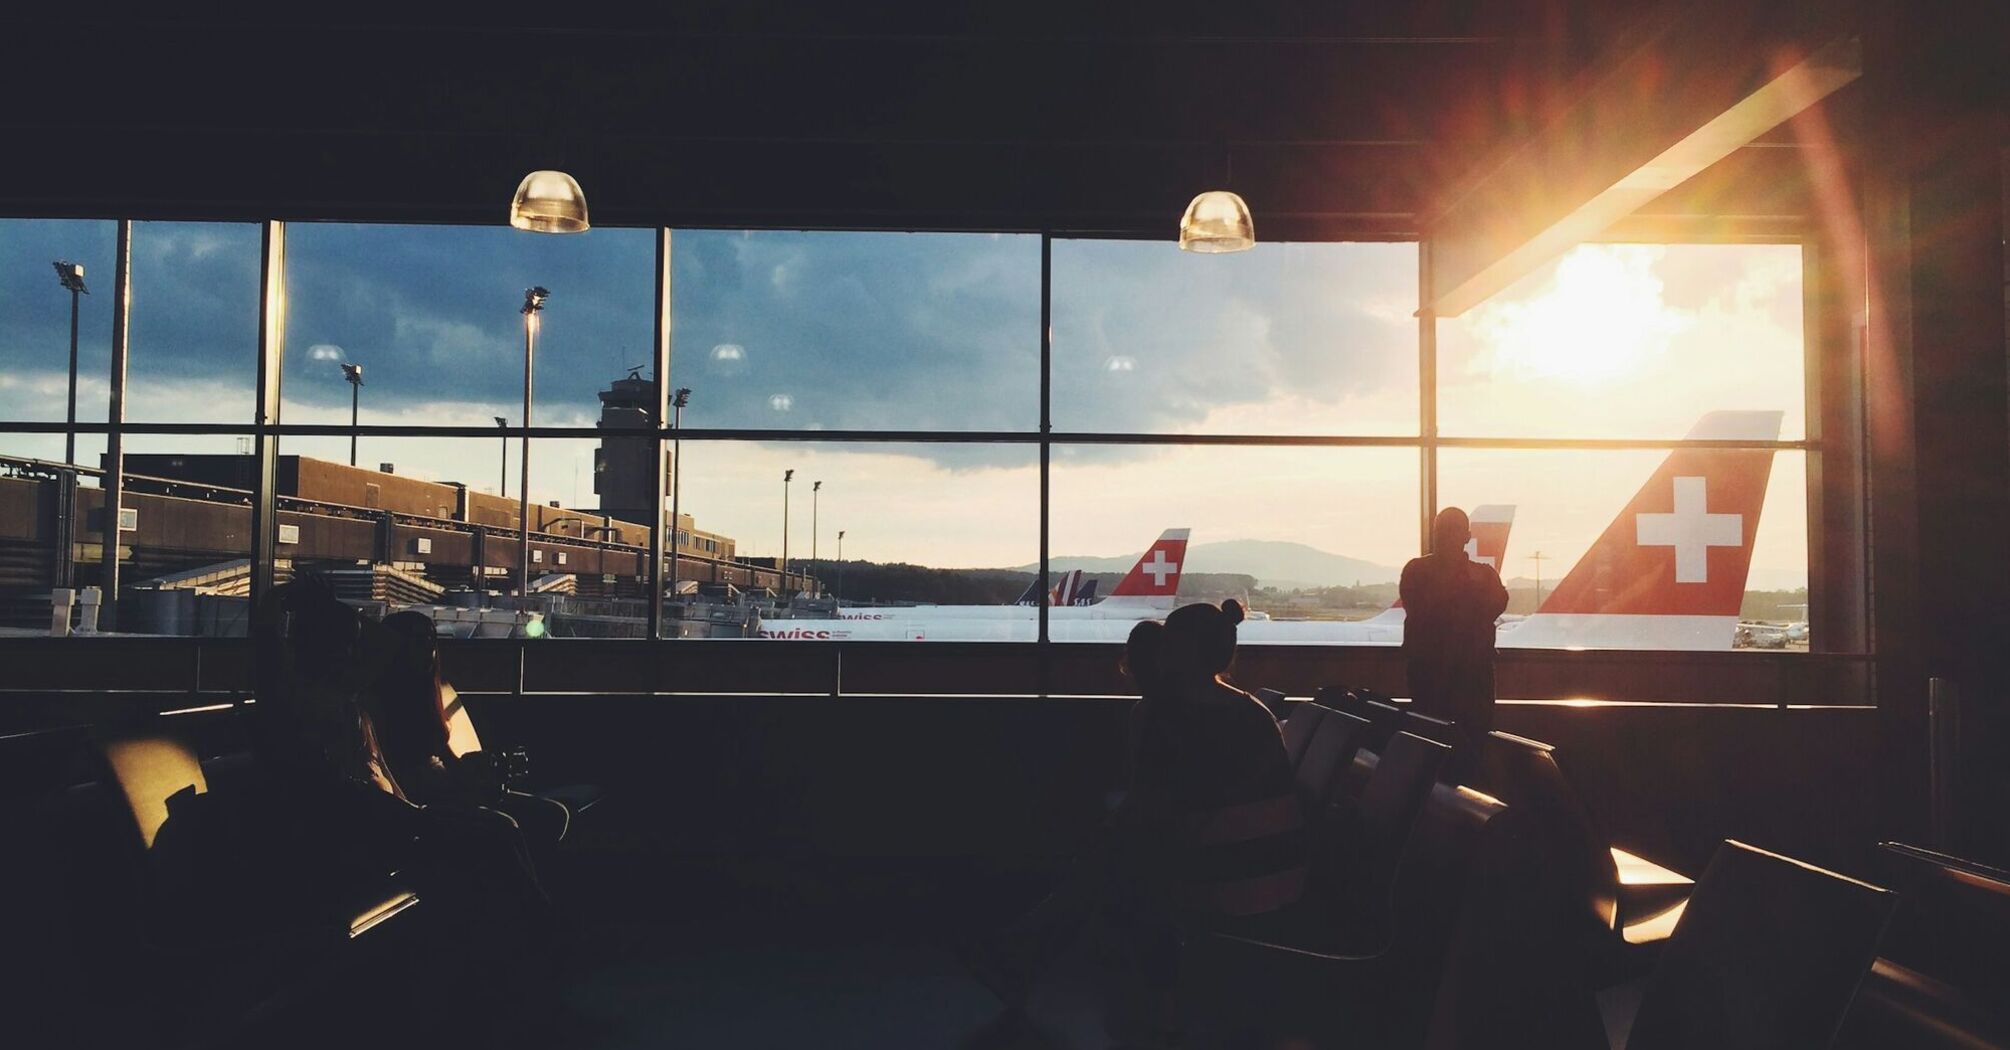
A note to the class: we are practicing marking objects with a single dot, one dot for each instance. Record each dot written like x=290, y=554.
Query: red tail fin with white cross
x=1669, y=572
x=1156, y=575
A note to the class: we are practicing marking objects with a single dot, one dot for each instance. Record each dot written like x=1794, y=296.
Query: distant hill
x=1273, y=563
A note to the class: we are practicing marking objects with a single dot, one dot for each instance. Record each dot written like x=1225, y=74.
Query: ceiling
x=1347, y=121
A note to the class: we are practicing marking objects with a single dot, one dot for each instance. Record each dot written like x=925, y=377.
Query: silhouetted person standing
x=1450, y=603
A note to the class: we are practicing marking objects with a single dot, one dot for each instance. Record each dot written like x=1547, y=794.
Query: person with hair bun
x=1211, y=756
x=1209, y=833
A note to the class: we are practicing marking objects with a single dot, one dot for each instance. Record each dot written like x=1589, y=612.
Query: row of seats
x=110, y=965
x=1491, y=915
x=82, y=810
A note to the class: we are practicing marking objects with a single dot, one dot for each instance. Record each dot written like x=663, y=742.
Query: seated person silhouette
x=412, y=728
x=1450, y=603
x=1209, y=833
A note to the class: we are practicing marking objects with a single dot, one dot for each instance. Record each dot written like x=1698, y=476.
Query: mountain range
x=1274, y=563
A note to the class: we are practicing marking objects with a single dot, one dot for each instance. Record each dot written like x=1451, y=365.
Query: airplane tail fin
x=1491, y=524
x=1669, y=571
x=1155, y=577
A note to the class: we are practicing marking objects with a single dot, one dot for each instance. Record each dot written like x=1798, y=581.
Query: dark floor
x=779, y=953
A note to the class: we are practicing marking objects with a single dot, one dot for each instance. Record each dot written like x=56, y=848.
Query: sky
x=826, y=331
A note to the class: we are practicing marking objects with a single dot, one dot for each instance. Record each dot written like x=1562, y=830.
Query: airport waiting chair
x=151, y=770
x=1941, y=970
x=1767, y=955
x=1327, y=754
x=1523, y=773
x=1297, y=730
x=1320, y=978
x=1385, y=720
x=462, y=739
x=1374, y=830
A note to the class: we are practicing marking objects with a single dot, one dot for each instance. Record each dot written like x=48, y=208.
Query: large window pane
x=1308, y=537
x=193, y=350
x=1282, y=339
x=1623, y=340
x=857, y=331
x=952, y=527
x=35, y=336
x=433, y=316
x=1670, y=557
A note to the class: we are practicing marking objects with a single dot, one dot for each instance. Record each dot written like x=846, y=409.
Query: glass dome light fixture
x=1217, y=221
x=549, y=202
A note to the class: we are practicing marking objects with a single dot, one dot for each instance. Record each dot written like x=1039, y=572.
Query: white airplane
x=1148, y=591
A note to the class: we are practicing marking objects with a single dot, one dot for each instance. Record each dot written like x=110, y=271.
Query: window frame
x=1834, y=673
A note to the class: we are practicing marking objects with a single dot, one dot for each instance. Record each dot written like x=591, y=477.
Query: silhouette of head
x=1450, y=531
x=408, y=695
x=1140, y=662
x=1199, y=639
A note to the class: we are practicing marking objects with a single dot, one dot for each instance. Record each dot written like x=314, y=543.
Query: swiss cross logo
x=1158, y=568
x=1692, y=530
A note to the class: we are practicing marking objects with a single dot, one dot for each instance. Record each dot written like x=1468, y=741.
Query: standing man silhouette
x=1450, y=603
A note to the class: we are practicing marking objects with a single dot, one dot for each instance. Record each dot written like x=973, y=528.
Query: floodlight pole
x=502, y=482
x=354, y=374
x=787, y=476
x=678, y=400
x=815, y=487
x=840, y=593
x=72, y=276
x=533, y=304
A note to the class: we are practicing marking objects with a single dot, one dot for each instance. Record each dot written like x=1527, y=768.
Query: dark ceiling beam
x=1703, y=83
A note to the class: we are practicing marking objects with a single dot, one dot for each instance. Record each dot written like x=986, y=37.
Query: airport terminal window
x=35, y=301
x=1309, y=537
x=1268, y=402
x=923, y=524
x=1292, y=338
x=1629, y=341
x=193, y=351
x=831, y=330
x=1646, y=531
x=433, y=315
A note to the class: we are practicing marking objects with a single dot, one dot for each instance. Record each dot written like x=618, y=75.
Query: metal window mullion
x=265, y=411
x=1427, y=398
x=659, y=401
x=114, y=471
x=1046, y=443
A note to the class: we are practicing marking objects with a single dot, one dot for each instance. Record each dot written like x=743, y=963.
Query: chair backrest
x=1386, y=720
x=149, y=769
x=1939, y=978
x=461, y=735
x=1332, y=746
x=1523, y=773
x=1953, y=918
x=1768, y=954
x=1403, y=777
x=1298, y=729
x=1429, y=728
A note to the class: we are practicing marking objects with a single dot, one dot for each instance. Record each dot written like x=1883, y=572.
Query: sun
x=1601, y=317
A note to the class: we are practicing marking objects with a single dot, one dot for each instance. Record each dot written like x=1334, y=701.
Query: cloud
x=324, y=352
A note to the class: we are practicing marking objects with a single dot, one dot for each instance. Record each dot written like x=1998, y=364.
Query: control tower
x=622, y=464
